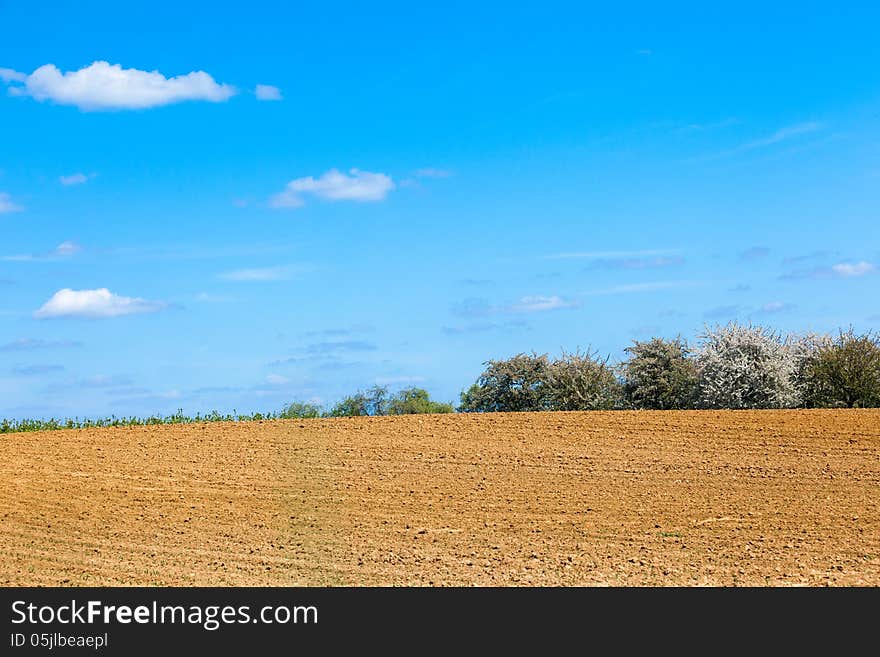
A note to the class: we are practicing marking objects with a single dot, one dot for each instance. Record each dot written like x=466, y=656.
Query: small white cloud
x=277, y=380
x=267, y=92
x=334, y=185
x=75, y=179
x=536, y=304
x=9, y=75
x=775, y=307
x=94, y=304
x=430, y=172
x=67, y=248
x=644, y=52
x=850, y=270
x=205, y=297
x=258, y=274
x=105, y=86
x=6, y=204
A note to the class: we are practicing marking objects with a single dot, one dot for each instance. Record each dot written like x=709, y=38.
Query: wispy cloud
x=104, y=86
x=723, y=312
x=94, y=304
x=525, y=305
x=754, y=253
x=849, y=270
x=36, y=370
x=76, y=179
x=485, y=327
x=281, y=273
x=839, y=270
x=651, y=286
x=782, y=135
x=652, y=262
x=6, y=204
x=333, y=347
x=357, y=185
x=773, y=307
x=32, y=344
x=339, y=332
x=430, y=172
x=614, y=255
x=806, y=257
x=267, y=92
x=64, y=250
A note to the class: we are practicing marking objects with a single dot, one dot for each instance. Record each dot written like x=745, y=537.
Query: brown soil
x=665, y=498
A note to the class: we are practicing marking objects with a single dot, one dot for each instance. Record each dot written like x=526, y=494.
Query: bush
x=660, y=375
x=805, y=349
x=846, y=372
x=412, y=401
x=299, y=410
x=582, y=382
x=745, y=367
x=515, y=384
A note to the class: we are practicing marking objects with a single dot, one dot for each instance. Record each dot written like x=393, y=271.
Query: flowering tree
x=745, y=366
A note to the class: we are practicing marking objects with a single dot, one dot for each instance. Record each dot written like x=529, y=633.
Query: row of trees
x=374, y=401
x=733, y=366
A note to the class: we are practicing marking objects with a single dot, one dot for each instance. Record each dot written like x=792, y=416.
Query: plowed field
x=621, y=498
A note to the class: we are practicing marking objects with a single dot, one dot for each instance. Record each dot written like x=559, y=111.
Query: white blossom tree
x=746, y=366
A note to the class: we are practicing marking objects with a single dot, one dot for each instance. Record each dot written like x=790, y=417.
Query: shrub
x=660, y=375
x=582, y=382
x=805, y=350
x=412, y=401
x=745, y=367
x=846, y=371
x=299, y=410
x=519, y=383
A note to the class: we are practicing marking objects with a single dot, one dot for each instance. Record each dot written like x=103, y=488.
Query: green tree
x=411, y=401
x=582, y=382
x=660, y=375
x=371, y=402
x=846, y=372
x=519, y=383
x=299, y=410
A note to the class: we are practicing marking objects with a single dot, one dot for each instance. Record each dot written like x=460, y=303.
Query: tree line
x=732, y=366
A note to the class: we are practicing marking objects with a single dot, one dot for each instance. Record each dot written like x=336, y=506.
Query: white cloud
x=75, y=179
x=67, y=248
x=530, y=304
x=267, y=92
x=94, y=304
x=335, y=186
x=775, y=307
x=258, y=274
x=536, y=304
x=277, y=380
x=850, y=270
x=8, y=75
x=430, y=172
x=606, y=255
x=63, y=250
x=6, y=204
x=782, y=135
x=105, y=86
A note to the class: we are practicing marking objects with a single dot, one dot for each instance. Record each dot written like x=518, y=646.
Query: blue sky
x=413, y=190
